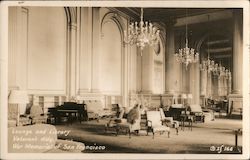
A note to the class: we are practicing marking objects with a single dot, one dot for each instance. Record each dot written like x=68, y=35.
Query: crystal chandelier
x=208, y=64
x=141, y=34
x=228, y=74
x=187, y=55
x=211, y=67
x=222, y=71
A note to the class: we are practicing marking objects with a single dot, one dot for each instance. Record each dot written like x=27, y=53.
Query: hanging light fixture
x=141, y=34
x=187, y=55
x=208, y=64
x=228, y=74
x=222, y=71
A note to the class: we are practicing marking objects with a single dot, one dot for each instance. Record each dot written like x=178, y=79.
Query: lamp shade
x=18, y=97
x=184, y=96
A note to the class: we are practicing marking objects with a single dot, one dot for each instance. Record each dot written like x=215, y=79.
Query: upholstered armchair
x=169, y=121
x=132, y=123
x=155, y=124
x=37, y=115
x=112, y=123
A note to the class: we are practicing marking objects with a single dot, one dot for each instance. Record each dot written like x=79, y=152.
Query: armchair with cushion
x=155, y=124
x=132, y=123
x=169, y=121
x=112, y=123
x=37, y=115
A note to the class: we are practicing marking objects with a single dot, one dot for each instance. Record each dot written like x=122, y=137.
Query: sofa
x=196, y=110
x=14, y=117
x=40, y=138
x=96, y=110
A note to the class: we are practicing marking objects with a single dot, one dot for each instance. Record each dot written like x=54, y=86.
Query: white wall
x=105, y=66
x=47, y=49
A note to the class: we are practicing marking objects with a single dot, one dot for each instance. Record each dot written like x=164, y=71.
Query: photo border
x=168, y=4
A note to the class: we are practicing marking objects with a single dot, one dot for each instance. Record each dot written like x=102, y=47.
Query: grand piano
x=69, y=110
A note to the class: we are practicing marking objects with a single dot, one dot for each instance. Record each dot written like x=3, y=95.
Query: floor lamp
x=19, y=97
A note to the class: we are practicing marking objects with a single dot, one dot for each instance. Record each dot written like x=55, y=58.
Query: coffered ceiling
x=166, y=14
x=201, y=21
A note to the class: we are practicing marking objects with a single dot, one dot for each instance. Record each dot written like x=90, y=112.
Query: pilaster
x=173, y=69
x=235, y=99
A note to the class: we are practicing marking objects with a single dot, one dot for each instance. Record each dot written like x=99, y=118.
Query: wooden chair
x=155, y=124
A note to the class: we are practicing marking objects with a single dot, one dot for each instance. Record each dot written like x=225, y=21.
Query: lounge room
x=125, y=80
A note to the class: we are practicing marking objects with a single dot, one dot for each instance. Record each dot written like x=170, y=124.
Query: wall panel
x=111, y=59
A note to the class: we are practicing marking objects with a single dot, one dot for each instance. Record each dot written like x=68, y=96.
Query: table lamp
x=183, y=97
x=190, y=97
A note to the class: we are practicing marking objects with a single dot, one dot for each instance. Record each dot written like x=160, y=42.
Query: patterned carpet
x=210, y=138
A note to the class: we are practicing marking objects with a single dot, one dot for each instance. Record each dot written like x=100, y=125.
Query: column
x=95, y=87
x=209, y=85
x=203, y=81
x=173, y=68
x=147, y=69
x=194, y=83
x=78, y=50
x=72, y=29
x=237, y=51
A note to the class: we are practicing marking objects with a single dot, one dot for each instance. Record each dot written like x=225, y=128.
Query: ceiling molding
x=203, y=18
x=220, y=50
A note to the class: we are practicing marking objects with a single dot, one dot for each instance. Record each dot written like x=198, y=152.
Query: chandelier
x=222, y=71
x=208, y=64
x=211, y=67
x=186, y=55
x=141, y=34
x=228, y=74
